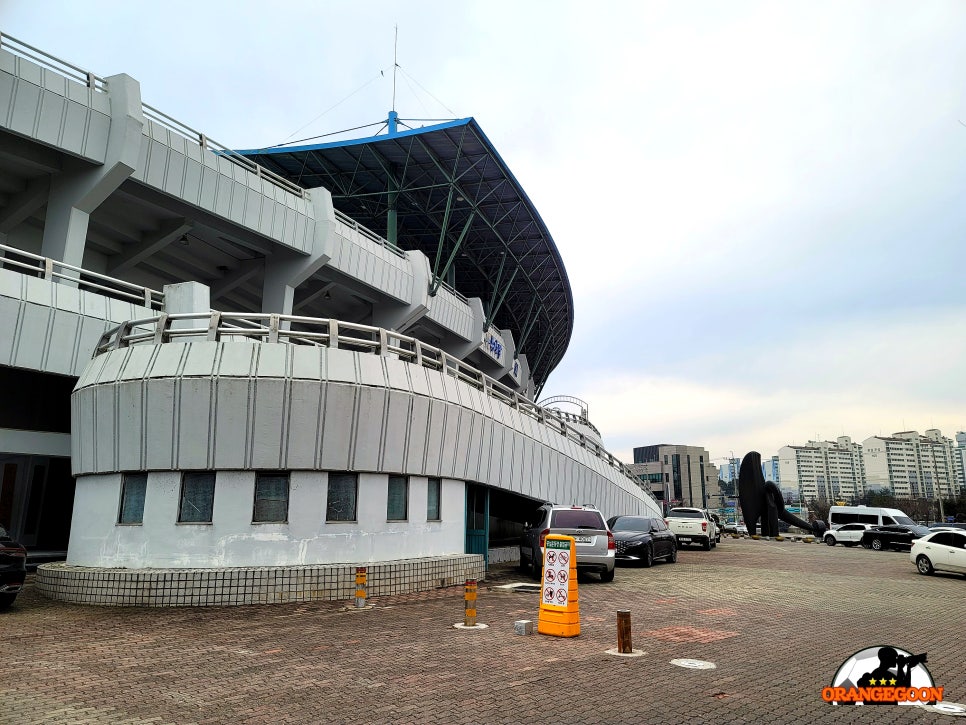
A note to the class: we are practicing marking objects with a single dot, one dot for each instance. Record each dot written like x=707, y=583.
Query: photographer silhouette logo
x=883, y=675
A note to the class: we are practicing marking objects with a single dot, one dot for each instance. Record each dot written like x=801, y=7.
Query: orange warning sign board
x=559, y=610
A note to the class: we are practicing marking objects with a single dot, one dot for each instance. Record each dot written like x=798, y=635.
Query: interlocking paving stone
x=793, y=613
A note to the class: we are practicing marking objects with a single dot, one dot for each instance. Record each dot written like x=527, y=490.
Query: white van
x=841, y=515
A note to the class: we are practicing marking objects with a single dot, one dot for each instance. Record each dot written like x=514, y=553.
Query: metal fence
x=336, y=334
x=50, y=269
x=97, y=83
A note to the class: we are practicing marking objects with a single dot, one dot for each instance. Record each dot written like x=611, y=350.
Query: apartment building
x=825, y=470
x=912, y=465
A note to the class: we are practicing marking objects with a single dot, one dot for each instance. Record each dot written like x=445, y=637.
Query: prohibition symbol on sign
x=561, y=576
x=552, y=558
x=548, y=594
x=564, y=558
x=551, y=575
x=562, y=595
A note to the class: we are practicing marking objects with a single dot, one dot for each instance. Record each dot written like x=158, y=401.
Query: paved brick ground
x=777, y=618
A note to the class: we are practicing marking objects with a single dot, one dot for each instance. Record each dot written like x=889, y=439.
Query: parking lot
x=776, y=619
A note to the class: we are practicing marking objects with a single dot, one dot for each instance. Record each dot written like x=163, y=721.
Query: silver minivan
x=593, y=541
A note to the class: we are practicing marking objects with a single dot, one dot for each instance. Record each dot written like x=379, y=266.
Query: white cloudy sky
x=760, y=204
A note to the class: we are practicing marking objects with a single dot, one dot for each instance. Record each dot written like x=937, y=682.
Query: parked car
x=642, y=540
x=947, y=526
x=692, y=526
x=943, y=550
x=717, y=526
x=847, y=535
x=892, y=537
x=741, y=529
x=594, y=542
x=729, y=527
x=13, y=569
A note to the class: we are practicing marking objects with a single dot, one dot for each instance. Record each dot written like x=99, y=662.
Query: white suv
x=593, y=540
x=847, y=535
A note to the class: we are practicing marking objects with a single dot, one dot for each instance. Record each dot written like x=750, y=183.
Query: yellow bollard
x=469, y=603
x=361, y=577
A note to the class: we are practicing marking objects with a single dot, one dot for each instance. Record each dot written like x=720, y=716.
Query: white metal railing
x=573, y=418
x=208, y=144
x=322, y=332
x=368, y=233
x=51, y=269
x=75, y=73
x=453, y=291
x=50, y=62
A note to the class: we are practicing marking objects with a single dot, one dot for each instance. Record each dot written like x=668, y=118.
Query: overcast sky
x=761, y=205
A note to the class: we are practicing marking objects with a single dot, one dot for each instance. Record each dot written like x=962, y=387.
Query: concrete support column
x=284, y=271
x=402, y=317
x=187, y=297
x=75, y=194
x=476, y=309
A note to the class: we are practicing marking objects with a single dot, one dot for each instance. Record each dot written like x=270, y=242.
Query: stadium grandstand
x=234, y=376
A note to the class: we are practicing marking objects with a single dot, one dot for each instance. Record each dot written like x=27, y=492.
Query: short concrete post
x=469, y=603
x=625, y=644
x=361, y=576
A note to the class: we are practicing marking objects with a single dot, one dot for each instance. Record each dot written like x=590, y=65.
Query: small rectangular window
x=340, y=504
x=432, y=499
x=397, y=506
x=197, y=498
x=133, y=489
x=271, y=498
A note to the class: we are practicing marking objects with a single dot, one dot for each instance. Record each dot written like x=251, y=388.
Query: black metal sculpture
x=761, y=499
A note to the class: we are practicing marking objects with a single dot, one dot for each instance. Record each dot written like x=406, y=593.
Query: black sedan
x=892, y=537
x=13, y=569
x=643, y=540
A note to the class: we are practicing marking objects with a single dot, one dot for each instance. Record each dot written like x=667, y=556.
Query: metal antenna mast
x=395, y=66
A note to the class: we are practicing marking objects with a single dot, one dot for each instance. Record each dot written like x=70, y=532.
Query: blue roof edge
x=357, y=141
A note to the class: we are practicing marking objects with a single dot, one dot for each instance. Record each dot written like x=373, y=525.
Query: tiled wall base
x=249, y=585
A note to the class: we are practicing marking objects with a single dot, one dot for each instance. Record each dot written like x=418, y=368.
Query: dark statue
x=761, y=499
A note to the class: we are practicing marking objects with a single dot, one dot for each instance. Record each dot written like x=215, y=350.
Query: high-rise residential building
x=770, y=470
x=911, y=465
x=824, y=470
x=959, y=461
x=729, y=471
x=680, y=475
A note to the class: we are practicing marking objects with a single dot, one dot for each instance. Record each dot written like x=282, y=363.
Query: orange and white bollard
x=361, y=576
x=469, y=603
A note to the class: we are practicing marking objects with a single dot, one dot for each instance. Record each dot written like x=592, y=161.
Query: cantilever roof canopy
x=444, y=189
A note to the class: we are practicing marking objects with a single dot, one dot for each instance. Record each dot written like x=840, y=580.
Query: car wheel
x=877, y=544
x=607, y=576
x=673, y=557
x=707, y=544
x=924, y=565
x=648, y=559
x=830, y=540
x=6, y=600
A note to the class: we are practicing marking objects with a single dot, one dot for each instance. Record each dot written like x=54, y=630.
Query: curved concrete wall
x=238, y=406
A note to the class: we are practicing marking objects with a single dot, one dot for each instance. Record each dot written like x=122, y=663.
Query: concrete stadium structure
x=255, y=392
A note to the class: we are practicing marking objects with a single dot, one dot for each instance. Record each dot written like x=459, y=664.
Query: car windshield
x=686, y=514
x=576, y=519
x=631, y=523
x=904, y=520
